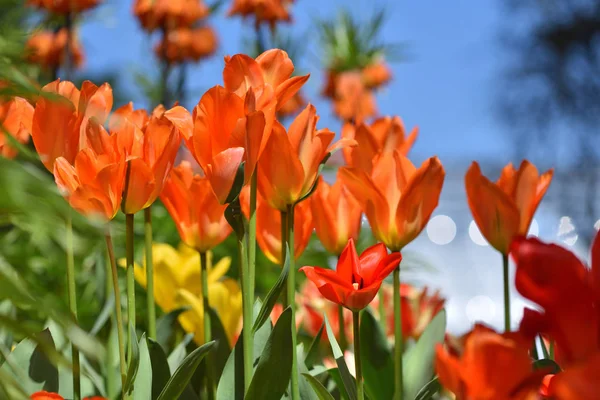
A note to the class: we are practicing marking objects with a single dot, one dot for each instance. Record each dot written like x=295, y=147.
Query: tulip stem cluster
x=130, y=280
x=247, y=315
x=291, y=297
x=399, y=340
x=357, y=360
x=119, y=316
x=210, y=383
x=149, y=273
x=506, y=293
x=72, y=300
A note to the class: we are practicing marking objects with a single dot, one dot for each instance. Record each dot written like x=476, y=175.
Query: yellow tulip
x=177, y=283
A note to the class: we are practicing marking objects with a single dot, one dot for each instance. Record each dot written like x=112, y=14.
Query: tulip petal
x=369, y=261
x=276, y=66
x=242, y=72
x=493, y=211
x=579, y=382
x=359, y=299
x=223, y=170
x=420, y=198
x=348, y=265
x=182, y=120
x=387, y=265
x=65, y=176
x=285, y=91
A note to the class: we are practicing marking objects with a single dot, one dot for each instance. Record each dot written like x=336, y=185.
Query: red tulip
x=356, y=280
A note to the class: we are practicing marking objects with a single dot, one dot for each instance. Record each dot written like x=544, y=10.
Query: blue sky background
x=448, y=86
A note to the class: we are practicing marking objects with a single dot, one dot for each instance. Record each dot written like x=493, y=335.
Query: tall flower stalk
x=357, y=357
x=72, y=300
x=149, y=273
x=210, y=383
x=291, y=297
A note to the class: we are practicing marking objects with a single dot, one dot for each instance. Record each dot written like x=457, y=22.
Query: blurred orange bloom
x=376, y=75
x=568, y=293
x=491, y=366
x=311, y=308
x=224, y=136
x=268, y=230
x=292, y=106
x=504, y=209
x=94, y=184
x=151, y=150
x=397, y=198
x=270, y=11
x=385, y=134
x=16, y=117
x=352, y=99
x=272, y=68
x=61, y=117
x=169, y=14
x=64, y=6
x=199, y=217
x=336, y=214
x=48, y=49
x=290, y=164
x=418, y=309
x=356, y=280
x=43, y=395
x=186, y=44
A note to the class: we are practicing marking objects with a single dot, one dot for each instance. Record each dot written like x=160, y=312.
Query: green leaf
x=6, y=337
x=349, y=382
x=306, y=392
x=547, y=364
x=10, y=388
x=142, y=389
x=429, y=390
x=178, y=354
x=318, y=387
x=160, y=368
x=231, y=384
x=165, y=326
x=377, y=359
x=273, y=295
x=313, y=351
x=236, y=188
x=418, y=361
x=222, y=350
x=104, y=315
x=184, y=373
x=134, y=363
x=338, y=382
x=274, y=367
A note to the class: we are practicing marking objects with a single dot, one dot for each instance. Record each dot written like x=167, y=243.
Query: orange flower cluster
x=49, y=49
x=269, y=11
x=16, y=115
x=352, y=92
x=64, y=6
x=169, y=14
x=185, y=44
x=43, y=395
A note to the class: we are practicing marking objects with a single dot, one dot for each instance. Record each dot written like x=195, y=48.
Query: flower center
x=355, y=286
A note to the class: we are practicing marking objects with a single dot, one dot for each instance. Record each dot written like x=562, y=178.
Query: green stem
x=111, y=386
x=130, y=279
x=149, y=273
x=291, y=295
x=72, y=300
x=399, y=340
x=382, y=314
x=119, y=316
x=506, y=293
x=341, y=324
x=210, y=384
x=357, y=361
x=246, y=313
x=283, y=217
x=252, y=234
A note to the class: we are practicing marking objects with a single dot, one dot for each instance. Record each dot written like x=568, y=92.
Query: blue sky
x=445, y=85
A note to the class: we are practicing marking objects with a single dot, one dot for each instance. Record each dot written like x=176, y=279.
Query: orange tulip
x=336, y=214
x=418, y=309
x=199, y=217
x=290, y=164
x=94, y=184
x=224, y=136
x=268, y=230
x=385, y=134
x=271, y=11
x=505, y=209
x=185, y=44
x=64, y=6
x=491, y=366
x=60, y=123
x=292, y=106
x=397, y=198
x=169, y=14
x=272, y=68
x=16, y=116
x=151, y=150
x=356, y=280
x=48, y=49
